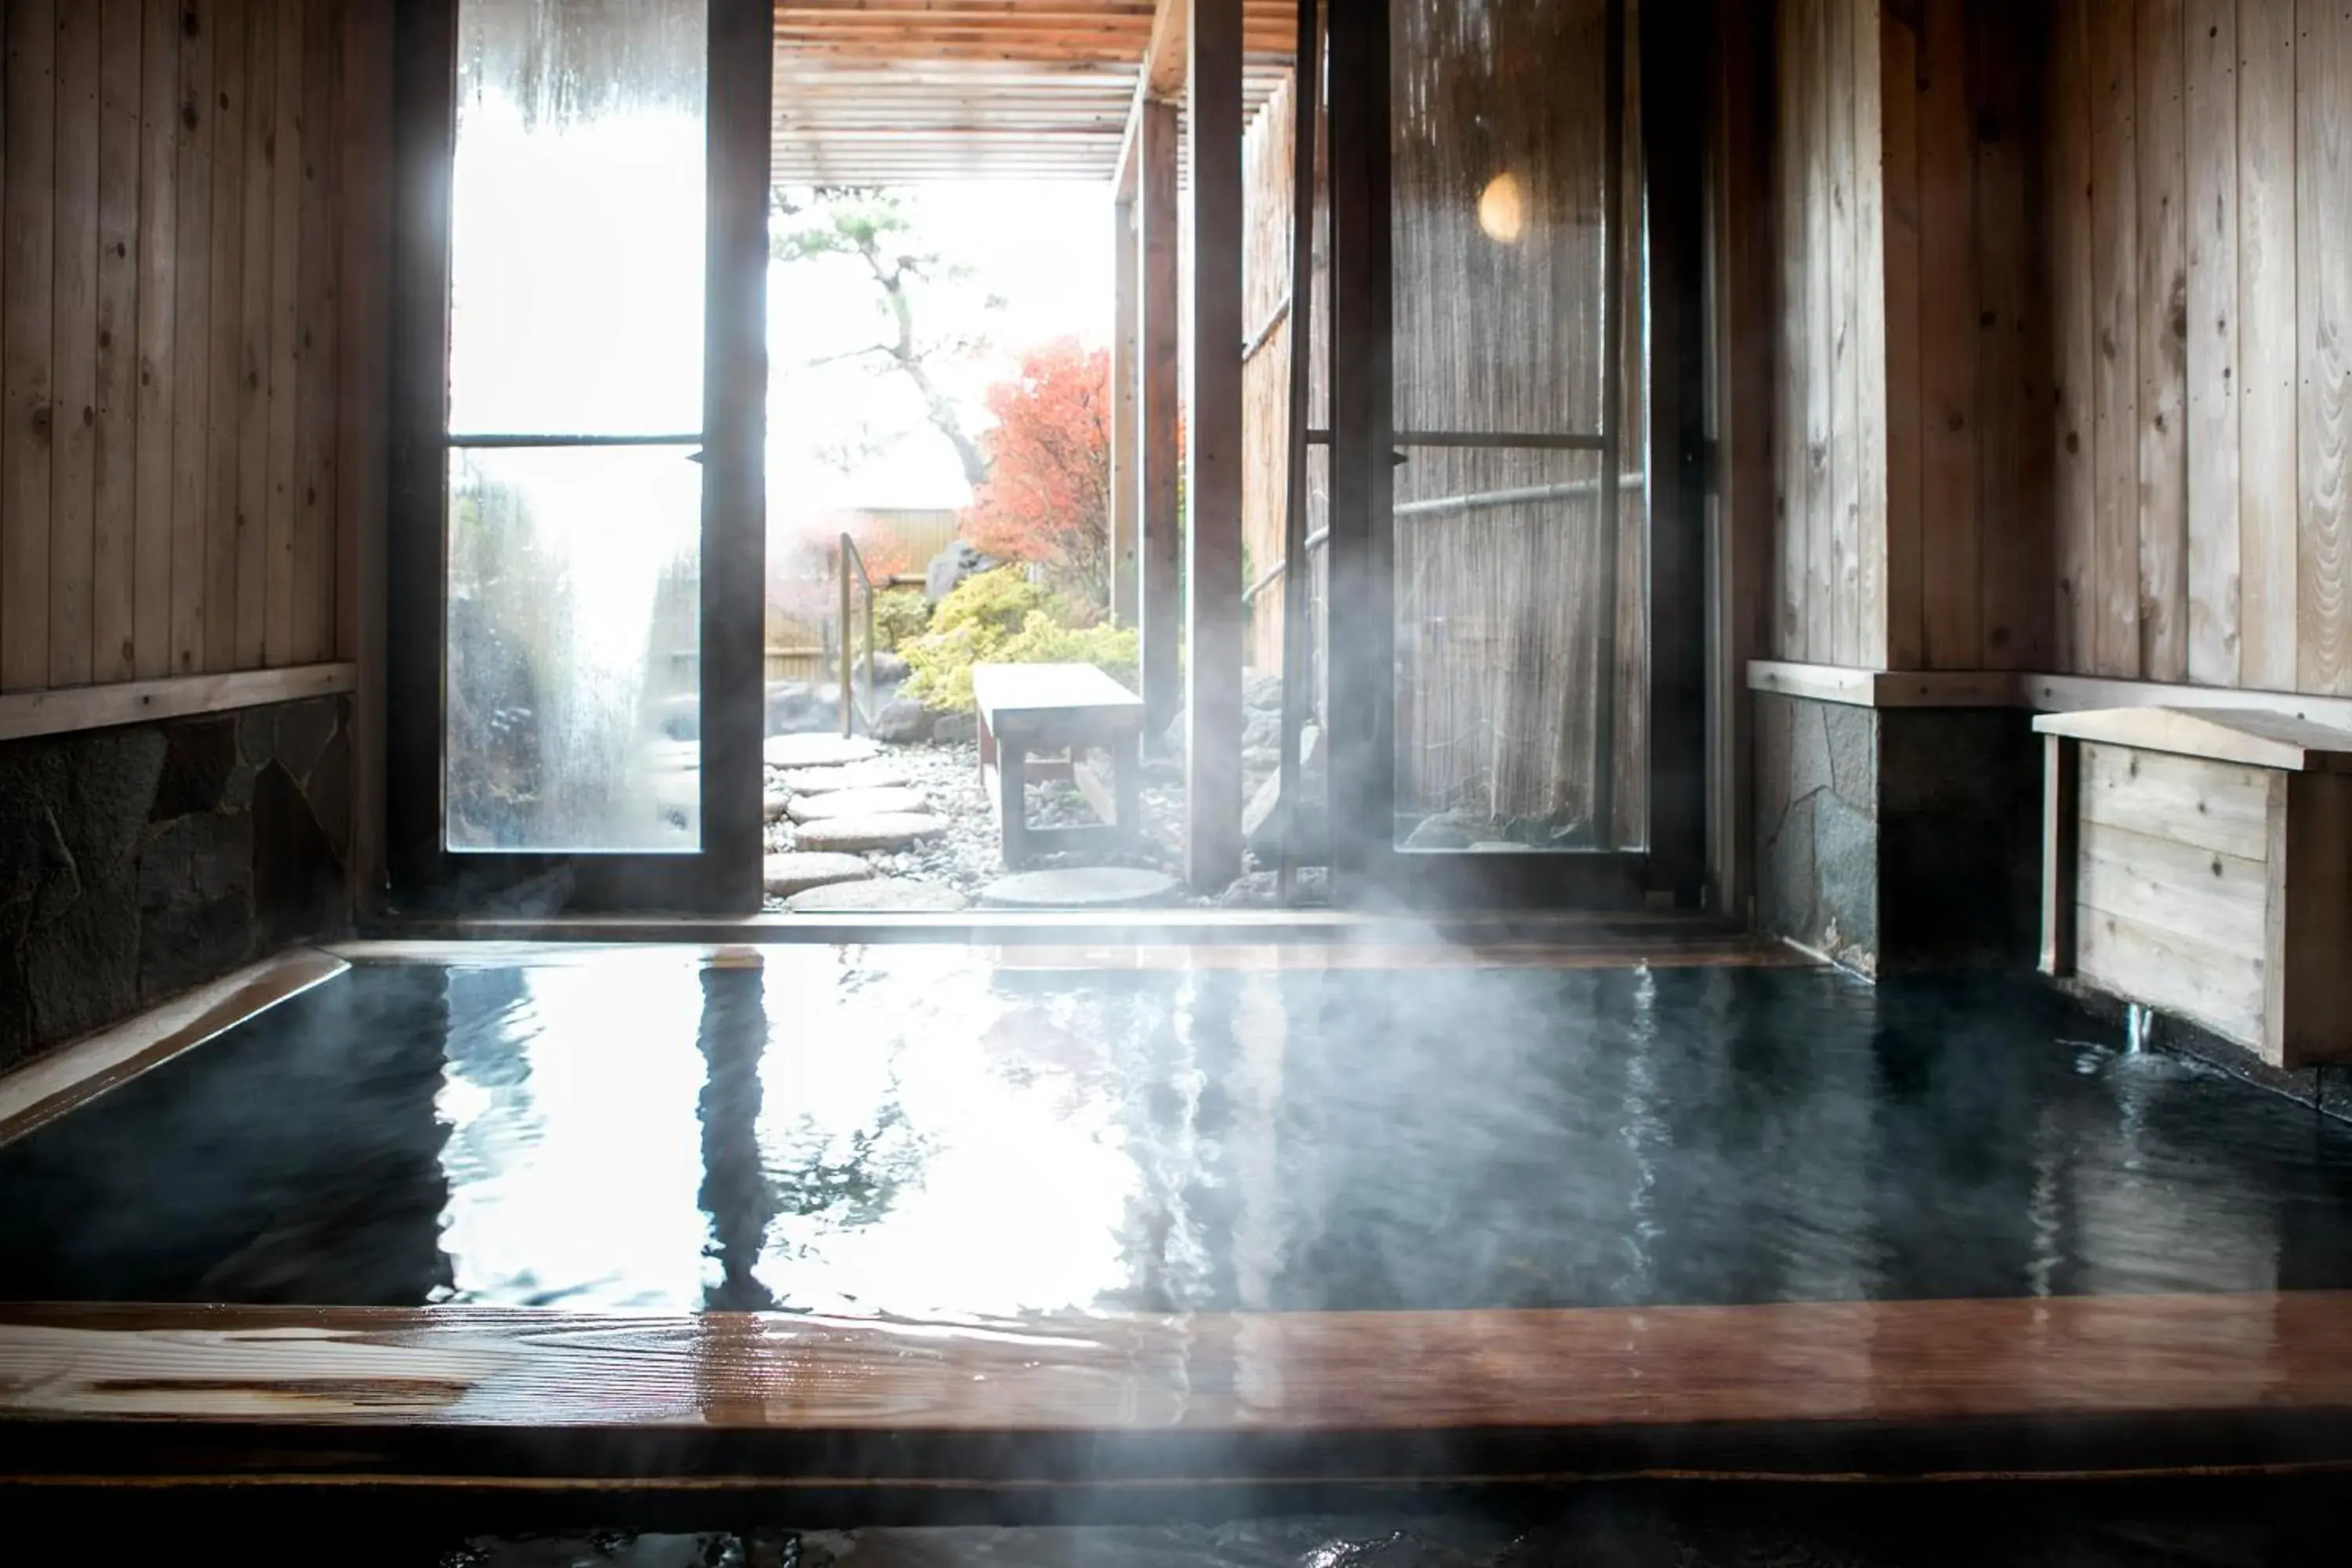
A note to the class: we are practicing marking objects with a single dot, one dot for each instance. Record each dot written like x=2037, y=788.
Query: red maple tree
x=1047, y=495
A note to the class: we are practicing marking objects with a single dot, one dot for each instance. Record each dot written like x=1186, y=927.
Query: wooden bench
x=1029, y=707
x=2199, y=862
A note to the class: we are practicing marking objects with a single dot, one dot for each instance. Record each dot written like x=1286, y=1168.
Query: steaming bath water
x=920, y=1130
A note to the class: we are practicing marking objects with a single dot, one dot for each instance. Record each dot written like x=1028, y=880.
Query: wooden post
x=2061, y=805
x=1212, y=451
x=1156, y=303
x=1125, y=451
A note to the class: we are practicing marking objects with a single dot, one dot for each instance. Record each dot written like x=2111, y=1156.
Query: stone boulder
x=951, y=566
x=902, y=722
x=1263, y=818
x=954, y=729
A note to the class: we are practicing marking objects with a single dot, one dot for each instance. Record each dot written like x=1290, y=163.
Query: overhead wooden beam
x=1126, y=453
x=1161, y=80
x=1212, y=577
x=1157, y=608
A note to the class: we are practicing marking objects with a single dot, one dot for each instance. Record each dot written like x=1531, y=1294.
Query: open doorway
x=939, y=498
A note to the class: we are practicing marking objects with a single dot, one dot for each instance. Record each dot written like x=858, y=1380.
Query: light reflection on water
x=913, y=1131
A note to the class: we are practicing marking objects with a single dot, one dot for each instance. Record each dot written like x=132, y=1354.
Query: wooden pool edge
x=1076, y=1416
x=60, y=1081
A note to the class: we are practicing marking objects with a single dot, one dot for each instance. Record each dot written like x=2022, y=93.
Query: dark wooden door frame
x=1368, y=869
x=723, y=877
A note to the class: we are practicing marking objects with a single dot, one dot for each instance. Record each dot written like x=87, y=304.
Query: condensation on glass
x=1521, y=592
x=575, y=405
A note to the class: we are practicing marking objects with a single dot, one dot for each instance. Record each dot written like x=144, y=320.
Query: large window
x=575, y=416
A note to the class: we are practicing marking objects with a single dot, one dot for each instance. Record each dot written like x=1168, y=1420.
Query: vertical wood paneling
x=2011, y=507
x=1898, y=42
x=2073, y=332
x=158, y=283
x=255, y=308
x=2323, y=344
x=314, y=476
x=224, y=325
x=27, y=277
x=73, y=346
x=1947, y=342
x=2211, y=75
x=288, y=187
x=362, y=213
x=1864, y=47
x=2163, y=321
x=1790, y=531
x=2268, y=481
x=1848, y=394
x=1821, y=379
x=2116, y=303
x=192, y=338
x=113, y=549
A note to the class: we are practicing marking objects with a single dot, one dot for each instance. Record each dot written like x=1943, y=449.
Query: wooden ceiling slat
x=878, y=91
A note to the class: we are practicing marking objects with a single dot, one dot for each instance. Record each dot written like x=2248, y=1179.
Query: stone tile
x=1082, y=888
x=303, y=730
x=1845, y=873
x=882, y=895
x=297, y=881
x=853, y=834
x=880, y=774
x=1787, y=891
x=817, y=751
x=892, y=802
x=1852, y=737
x=199, y=755
x=799, y=871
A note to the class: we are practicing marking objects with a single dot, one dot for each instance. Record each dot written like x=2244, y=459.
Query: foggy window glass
x=576, y=218
x=1521, y=573
x=575, y=596
x=576, y=310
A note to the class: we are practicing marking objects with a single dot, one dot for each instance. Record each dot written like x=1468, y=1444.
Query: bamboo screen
x=1267, y=306
x=1504, y=550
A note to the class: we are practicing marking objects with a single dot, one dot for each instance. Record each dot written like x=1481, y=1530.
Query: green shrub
x=899, y=617
x=1001, y=617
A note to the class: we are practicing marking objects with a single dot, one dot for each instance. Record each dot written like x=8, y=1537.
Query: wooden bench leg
x=1013, y=801
x=1127, y=775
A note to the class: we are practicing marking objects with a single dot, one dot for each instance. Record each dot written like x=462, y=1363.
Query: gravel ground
x=968, y=855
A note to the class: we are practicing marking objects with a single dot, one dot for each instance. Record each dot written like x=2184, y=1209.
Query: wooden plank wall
x=174, y=301
x=1911, y=478
x=2199, y=228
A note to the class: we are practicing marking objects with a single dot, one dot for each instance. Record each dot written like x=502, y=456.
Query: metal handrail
x=854, y=708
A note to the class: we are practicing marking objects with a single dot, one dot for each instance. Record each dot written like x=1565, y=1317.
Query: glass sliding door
x=1500, y=448
x=576, y=218
x=576, y=502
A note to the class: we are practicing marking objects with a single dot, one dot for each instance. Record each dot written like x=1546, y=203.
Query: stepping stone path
x=895, y=830
x=773, y=802
x=817, y=751
x=849, y=775
x=884, y=895
x=808, y=808
x=786, y=875
x=1081, y=888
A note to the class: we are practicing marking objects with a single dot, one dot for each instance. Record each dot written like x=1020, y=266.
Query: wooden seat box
x=2199, y=862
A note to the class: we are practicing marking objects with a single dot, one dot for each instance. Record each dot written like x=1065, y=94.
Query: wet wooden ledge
x=1117, y=1406
x=58, y=1082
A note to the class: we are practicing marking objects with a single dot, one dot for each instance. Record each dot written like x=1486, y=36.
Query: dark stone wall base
x=1899, y=839
x=141, y=860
